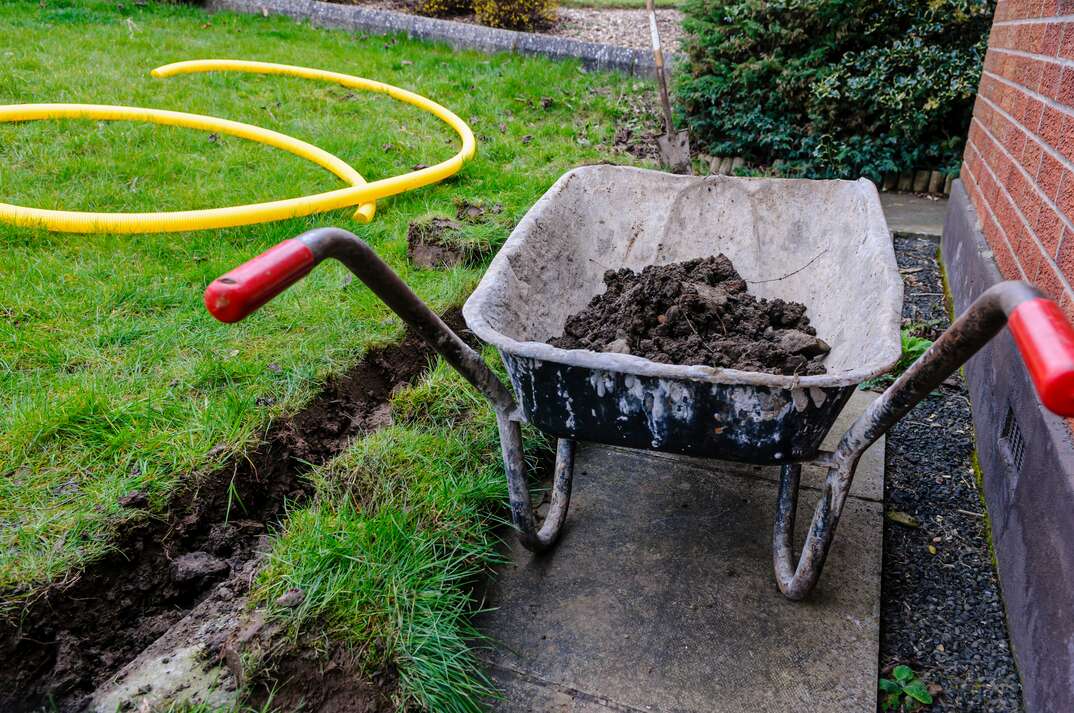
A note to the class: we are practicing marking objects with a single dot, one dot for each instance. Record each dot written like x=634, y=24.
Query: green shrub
x=509, y=14
x=442, y=8
x=515, y=14
x=834, y=88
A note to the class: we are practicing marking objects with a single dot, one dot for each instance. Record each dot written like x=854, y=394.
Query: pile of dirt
x=696, y=312
x=74, y=636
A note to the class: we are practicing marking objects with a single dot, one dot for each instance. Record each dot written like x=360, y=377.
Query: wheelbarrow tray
x=822, y=243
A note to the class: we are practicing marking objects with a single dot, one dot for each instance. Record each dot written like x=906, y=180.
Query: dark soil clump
x=696, y=312
x=77, y=635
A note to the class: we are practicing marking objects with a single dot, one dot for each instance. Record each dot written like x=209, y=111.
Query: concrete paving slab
x=914, y=214
x=868, y=481
x=660, y=597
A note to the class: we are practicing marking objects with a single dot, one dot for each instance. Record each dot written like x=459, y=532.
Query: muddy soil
x=696, y=312
x=438, y=241
x=77, y=635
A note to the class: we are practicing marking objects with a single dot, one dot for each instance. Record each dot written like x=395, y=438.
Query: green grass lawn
x=113, y=378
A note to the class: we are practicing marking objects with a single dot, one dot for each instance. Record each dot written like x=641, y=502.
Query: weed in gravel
x=912, y=349
x=904, y=692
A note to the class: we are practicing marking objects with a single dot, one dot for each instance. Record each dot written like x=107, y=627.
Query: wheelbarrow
x=823, y=243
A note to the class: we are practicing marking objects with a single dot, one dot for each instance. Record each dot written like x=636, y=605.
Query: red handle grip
x=242, y=291
x=1046, y=342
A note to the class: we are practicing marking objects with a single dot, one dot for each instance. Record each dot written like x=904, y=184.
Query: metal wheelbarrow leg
x=1046, y=343
x=243, y=290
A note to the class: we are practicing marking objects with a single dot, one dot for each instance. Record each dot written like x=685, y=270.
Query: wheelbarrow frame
x=1044, y=337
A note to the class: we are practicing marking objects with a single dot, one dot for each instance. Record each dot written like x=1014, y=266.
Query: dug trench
x=77, y=635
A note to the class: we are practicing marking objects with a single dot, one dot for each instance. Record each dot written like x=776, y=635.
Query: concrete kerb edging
x=460, y=35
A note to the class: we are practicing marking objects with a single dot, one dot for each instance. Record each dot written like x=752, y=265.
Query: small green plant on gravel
x=912, y=348
x=904, y=692
x=834, y=88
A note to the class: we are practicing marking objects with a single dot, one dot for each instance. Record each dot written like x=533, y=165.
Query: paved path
x=660, y=596
x=911, y=214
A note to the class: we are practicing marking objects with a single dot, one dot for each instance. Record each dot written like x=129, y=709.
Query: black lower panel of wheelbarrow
x=739, y=422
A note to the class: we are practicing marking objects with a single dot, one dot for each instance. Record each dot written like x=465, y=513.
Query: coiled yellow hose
x=359, y=193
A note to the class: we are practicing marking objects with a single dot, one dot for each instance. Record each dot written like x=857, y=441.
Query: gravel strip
x=624, y=28
x=941, y=613
x=610, y=26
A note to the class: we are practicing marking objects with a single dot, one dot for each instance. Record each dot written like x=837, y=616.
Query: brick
x=993, y=236
x=1051, y=126
x=995, y=38
x=1067, y=305
x=1030, y=158
x=1034, y=111
x=1053, y=33
x=1065, y=145
x=1018, y=108
x=1007, y=263
x=1064, y=93
x=1016, y=141
x=1066, y=43
x=1064, y=200
x=1049, y=79
x=1049, y=8
x=1049, y=176
x=1019, y=188
x=1008, y=218
x=1034, y=71
x=1034, y=39
x=1065, y=258
x=1047, y=280
x=1049, y=229
x=1032, y=206
x=1030, y=255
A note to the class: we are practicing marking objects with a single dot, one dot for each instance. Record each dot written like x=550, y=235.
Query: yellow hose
x=359, y=193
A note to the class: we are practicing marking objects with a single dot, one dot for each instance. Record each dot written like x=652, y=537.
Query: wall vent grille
x=1016, y=443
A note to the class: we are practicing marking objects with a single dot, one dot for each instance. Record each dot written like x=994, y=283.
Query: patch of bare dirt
x=77, y=635
x=438, y=241
x=307, y=680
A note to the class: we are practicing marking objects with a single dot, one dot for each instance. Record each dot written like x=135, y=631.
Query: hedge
x=834, y=88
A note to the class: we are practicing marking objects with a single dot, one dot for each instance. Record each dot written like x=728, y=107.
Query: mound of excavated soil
x=696, y=312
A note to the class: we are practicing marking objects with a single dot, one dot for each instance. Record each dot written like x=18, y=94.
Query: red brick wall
x=1019, y=160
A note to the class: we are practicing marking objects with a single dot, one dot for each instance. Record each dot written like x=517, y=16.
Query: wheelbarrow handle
x=243, y=290
x=240, y=292
x=1046, y=342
